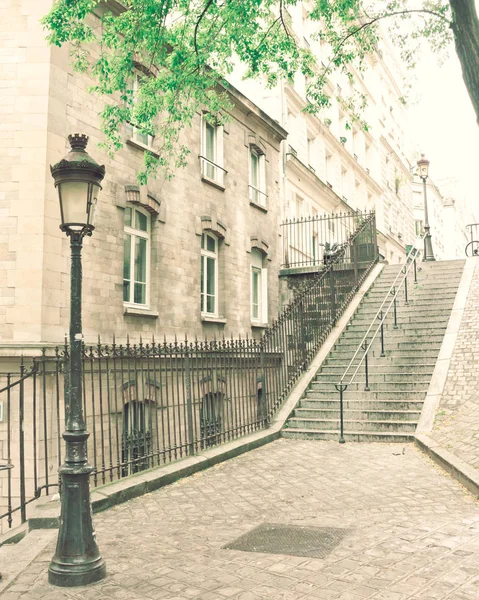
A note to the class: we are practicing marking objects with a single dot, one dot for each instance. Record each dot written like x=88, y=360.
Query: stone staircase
x=398, y=382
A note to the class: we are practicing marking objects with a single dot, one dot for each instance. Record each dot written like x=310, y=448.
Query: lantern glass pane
x=94, y=203
x=74, y=196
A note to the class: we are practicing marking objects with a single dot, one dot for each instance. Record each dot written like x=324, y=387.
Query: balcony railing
x=311, y=241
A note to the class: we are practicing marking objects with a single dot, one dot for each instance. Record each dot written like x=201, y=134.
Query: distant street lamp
x=423, y=165
x=77, y=560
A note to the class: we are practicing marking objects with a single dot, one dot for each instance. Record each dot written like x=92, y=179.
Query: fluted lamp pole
x=77, y=560
x=423, y=167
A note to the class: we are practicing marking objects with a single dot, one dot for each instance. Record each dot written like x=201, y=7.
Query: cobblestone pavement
x=415, y=532
x=456, y=427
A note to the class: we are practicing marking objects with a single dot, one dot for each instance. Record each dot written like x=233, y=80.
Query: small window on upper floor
x=211, y=155
x=133, y=132
x=257, y=177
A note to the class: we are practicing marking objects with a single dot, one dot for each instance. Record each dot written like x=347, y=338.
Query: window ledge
x=213, y=183
x=140, y=146
x=209, y=319
x=259, y=325
x=140, y=312
x=258, y=206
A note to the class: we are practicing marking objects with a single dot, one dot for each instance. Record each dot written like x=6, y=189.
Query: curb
x=461, y=471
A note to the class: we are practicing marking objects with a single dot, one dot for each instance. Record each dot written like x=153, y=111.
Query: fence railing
x=311, y=241
x=149, y=404
x=472, y=247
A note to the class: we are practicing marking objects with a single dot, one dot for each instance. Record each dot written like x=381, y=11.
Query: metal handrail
x=212, y=163
x=381, y=314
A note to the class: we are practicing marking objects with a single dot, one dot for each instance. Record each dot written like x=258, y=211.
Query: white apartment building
x=330, y=165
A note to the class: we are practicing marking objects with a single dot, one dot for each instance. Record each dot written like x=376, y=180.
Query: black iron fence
x=315, y=240
x=149, y=404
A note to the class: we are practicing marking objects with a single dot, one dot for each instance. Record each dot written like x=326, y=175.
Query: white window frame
x=262, y=273
x=135, y=234
x=212, y=169
x=133, y=132
x=205, y=254
x=257, y=190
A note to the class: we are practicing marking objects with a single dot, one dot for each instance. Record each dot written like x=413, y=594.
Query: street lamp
x=423, y=166
x=77, y=560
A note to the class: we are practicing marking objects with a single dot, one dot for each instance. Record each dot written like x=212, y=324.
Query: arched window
x=136, y=258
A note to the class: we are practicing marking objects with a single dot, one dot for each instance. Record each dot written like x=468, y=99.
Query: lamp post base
x=428, y=252
x=70, y=575
x=77, y=560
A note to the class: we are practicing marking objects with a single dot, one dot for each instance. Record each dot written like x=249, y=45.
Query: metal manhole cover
x=315, y=542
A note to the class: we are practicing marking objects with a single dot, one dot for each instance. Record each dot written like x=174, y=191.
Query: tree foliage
x=187, y=48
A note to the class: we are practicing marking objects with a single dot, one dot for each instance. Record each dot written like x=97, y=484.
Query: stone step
x=399, y=358
x=350, y=436
x=415, y=290
x=375, y=377
x=362, y=405
x=333, y=424
x=395, y=334
x=417, y=395
x=358, y=415
x=392, y=346
x=375, y=386
x=378, y=369
x=406, y=328
x=439, y=303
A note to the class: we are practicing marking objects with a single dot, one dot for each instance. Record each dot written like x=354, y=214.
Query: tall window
x=136, y=257
x=209, y=274
x=134, y=132
x=257, y=177
x=259, y=290
x=212, y=151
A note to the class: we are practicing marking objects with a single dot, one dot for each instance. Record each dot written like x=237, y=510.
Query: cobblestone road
x=415, y=531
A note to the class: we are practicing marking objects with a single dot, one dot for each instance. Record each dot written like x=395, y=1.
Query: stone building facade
x=207, y=203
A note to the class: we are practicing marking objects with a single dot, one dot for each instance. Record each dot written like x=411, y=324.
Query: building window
x=419, y=228
x=257, y=177
x=259, y=289
x=136, y=257
x=212, y=151
x=133, y=132
x=209, y=274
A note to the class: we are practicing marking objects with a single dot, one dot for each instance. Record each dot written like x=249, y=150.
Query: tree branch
x=200, y=18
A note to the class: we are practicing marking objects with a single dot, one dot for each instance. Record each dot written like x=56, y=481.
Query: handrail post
x=366, y=367
x=341, y=387
x=21, y=435
x=415, y=270
x=406, y=303
x=382, y=334
x=395, y=326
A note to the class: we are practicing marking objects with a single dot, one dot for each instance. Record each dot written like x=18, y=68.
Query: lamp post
x=77, y=560
x=423, y=166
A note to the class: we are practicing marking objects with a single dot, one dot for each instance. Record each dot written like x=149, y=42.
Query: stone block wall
x=52, y=101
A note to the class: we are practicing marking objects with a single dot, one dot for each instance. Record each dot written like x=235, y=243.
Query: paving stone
x=414, y=531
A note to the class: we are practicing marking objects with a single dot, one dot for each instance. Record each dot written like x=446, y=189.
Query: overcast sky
x=443, y=125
